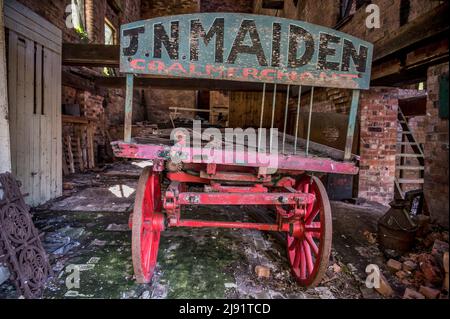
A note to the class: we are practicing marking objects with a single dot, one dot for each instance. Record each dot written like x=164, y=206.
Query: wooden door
x=34, y=92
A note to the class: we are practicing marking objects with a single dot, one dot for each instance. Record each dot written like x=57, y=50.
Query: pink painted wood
x=284, y=162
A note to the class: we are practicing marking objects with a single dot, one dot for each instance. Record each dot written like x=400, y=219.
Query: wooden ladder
x=408, y=142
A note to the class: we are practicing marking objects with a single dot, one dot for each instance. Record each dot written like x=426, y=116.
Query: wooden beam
x=74, y=119
x=90, y=55
x=430, y=24
x=184, y=84
x=115, y=5
x=273, y=4
x=77, y=82
x=410, y=66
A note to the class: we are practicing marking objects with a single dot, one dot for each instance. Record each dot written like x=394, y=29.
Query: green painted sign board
x=245, y=47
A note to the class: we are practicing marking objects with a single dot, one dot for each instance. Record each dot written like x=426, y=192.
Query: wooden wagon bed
x=320, y=158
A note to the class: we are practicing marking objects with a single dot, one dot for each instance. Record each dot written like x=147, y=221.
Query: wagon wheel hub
x=297, y=229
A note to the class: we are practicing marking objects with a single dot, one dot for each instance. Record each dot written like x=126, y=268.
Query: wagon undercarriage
x=301, y=204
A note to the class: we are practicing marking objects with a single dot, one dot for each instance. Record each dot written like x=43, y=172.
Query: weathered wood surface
x=428, y=25
x=245, y=47
x=315, y=149
x=93, y=55
x=181, y=83
x=34, y=82
x=5, y=146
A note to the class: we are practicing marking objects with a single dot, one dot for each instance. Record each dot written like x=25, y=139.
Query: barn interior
x=63, y=106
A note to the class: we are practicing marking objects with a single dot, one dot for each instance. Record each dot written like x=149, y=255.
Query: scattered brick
x=262, y=272
x=429, y=293
x=409, y=265
x=412, y=294
x=402, y=274
x=430, y=270
x=385, y=288
x=394, y=265
x=445, y=262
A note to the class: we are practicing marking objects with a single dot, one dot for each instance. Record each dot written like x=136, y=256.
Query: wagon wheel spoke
x=297, y=257
x=312, y=215
x=312, y=244
x=313, y=227
x=309, y=250
x=302, y=262
x=293, y=244
x=308, y=256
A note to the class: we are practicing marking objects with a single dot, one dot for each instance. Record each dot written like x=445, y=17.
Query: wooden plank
x=79, y=152
x=29, y=33
x=69, y=153
x=30, y=16
x=411, y=168
x=55, y=92
x=29, y=129
x=90, y=146
x=38, y=80
x=65, y=168
x=409, y=155
x=21, y=128
x=78, y=82
x=46, y=149
x=185, y=84
x=90, y=55
x=415, y=31
x=410, y=181
x=59, y=126
x=74, y=119
x=128, y=122
x=12, y=97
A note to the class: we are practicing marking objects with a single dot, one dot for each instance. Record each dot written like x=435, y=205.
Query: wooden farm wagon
x=267, y=52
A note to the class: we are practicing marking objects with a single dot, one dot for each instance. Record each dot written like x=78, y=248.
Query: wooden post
x=5, y=146
x=129, y=108
x=351, y=125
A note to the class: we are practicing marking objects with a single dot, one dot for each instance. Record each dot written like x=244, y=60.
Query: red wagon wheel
x=147, y=225
x=309, y=245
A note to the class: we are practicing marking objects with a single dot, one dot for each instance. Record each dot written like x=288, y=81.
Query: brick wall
x=436, y=151
x=390, y=18
x=245, y=6
x=158, y=102
x=326, y=13
x=321, y=12
x=159, y=8
x=378, y=137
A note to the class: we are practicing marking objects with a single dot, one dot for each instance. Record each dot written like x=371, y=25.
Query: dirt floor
x=89, y=228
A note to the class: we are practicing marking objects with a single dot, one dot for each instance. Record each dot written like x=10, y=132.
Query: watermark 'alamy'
x=373, y=276
x=233, y=146
x=373, y=19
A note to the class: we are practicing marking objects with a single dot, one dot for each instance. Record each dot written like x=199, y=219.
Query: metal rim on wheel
x=309, y=249
x=147, y=224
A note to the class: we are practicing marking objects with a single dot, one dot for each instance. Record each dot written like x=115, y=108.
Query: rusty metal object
x=20, y=246
x=395, y=230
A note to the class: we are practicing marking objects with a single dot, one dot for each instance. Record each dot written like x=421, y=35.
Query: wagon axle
x=303, y=213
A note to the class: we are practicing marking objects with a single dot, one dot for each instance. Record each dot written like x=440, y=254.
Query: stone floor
x=88, y=228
